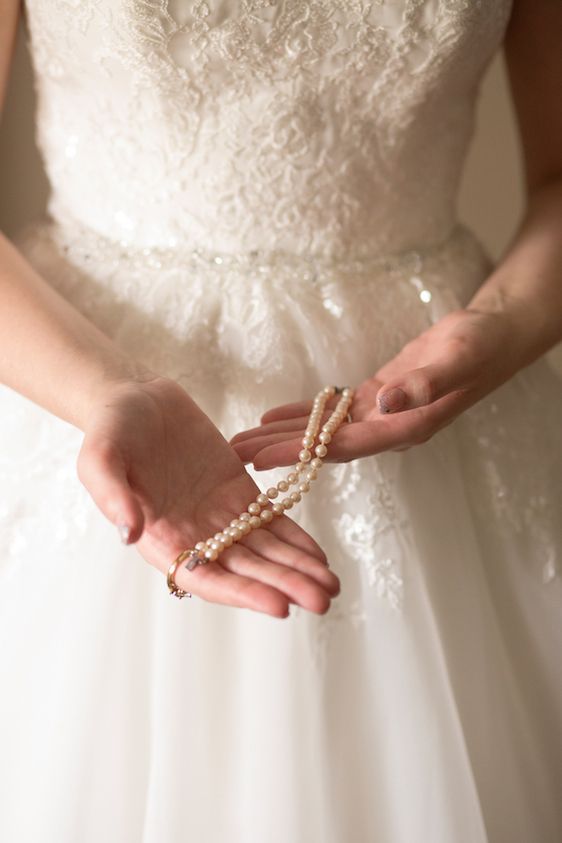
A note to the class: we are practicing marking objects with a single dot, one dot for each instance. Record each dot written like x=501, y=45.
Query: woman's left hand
x=437, y=375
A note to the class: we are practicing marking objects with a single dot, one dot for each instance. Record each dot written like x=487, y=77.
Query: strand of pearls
x=266, y=507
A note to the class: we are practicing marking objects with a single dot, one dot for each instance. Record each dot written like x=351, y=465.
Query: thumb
x=419, y=387
x=101, y=469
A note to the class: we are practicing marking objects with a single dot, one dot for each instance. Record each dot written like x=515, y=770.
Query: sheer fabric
x=258, y=198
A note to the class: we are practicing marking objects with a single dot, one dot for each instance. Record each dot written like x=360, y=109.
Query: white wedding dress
x=256, y=198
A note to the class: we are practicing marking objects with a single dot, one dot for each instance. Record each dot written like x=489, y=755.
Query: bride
x=249, y=202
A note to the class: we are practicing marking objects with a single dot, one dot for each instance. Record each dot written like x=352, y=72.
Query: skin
x=150, y=458
x=53, y=355
x=514, y=317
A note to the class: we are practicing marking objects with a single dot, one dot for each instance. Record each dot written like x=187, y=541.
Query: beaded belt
x=81, y=242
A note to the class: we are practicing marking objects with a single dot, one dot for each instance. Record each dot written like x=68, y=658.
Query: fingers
x=268, y=546
x=245, y=579
x=102, y=471
x=217, y=584
x=273, y=455
x=420, y=387
x=292, y=534
x=280, y=426
x=247, y=449
x=287, y=411
x=363, y=439
x=296, y=409
x=295, y=585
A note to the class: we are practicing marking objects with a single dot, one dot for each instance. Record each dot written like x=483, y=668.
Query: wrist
x=525, y=327
x=113, y=374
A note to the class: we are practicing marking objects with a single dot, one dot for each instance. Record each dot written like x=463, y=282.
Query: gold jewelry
x=258, y=514
x=173, y=588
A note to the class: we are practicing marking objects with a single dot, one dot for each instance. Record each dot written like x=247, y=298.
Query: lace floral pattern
x=515, y=483
x=373, y=528
x=214, y=111
x=43, y=499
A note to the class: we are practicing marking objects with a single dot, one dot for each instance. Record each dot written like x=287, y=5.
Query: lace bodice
x=303, y=125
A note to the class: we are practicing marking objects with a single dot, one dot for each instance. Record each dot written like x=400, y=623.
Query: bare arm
x=527, y=284
x=49, y=351
x=167, y=490
x=9, y=14
x=514, y=317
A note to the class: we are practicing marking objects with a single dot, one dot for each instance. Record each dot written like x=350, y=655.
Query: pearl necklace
x=265, y=507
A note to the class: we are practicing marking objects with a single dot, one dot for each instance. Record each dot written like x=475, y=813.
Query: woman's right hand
x=151, y=459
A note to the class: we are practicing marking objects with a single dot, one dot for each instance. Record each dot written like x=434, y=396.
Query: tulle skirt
x=426, y=705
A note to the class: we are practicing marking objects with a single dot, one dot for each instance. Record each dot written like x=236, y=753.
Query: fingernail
x=392, y=400
x=124, y=532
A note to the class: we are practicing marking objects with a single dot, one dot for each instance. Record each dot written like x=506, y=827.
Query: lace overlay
x=322, y=112
x=267, y=183
x=256, y=198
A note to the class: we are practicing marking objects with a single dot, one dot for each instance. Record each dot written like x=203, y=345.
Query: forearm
x=49, y=351
x=526, y=286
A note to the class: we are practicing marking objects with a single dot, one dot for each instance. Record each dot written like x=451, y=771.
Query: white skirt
x=426, y=705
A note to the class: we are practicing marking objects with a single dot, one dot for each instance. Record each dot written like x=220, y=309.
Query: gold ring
x=173, y=588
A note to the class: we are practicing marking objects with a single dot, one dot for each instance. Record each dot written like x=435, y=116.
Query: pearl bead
x=304, y=472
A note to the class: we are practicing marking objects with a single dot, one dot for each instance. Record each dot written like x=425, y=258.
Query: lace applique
x=515, y=478
x=322, y=112
x=370, y=537
x=43, y=499
x=384, y=574
x=372, y=532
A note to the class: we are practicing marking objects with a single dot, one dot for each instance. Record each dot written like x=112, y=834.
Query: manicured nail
x=392, y=400
x=124, y=532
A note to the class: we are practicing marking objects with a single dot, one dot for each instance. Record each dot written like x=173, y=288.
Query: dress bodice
x=323, y=127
